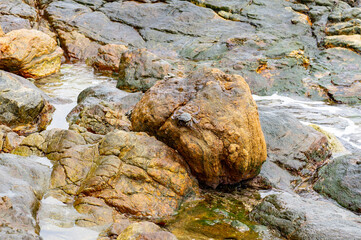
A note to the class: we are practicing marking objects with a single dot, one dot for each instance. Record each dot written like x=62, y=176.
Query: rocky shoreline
x=176, y=147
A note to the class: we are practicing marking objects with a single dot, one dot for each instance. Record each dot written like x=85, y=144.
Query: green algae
x=215, y=216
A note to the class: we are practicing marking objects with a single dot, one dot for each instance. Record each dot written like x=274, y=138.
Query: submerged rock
x=140, y=70
x=29, y=53
x=24, y=107
x=103, y=108
x=145, y=230
x=340, y=180
x=300, y=218
x=211, y=119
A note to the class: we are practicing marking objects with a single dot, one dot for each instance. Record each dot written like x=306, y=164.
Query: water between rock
x=343, y=121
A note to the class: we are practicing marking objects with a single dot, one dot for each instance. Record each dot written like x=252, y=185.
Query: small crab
x=185, y=119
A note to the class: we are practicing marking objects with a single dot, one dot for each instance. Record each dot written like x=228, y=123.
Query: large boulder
x=103, y=108
x=340, y=180
x=30, y=53
x=211, y=119
x=136, y=174
x=24, y=108
x=23, y=182
x=140, y=70
x=300, y=218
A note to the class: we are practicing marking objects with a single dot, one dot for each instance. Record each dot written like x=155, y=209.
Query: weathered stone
x=340, y=180
x=23, y=182
x=29, y=53
x=24, y=108
x=103, y=108
x=1, y=32
x=8, y=139
x=140, y=70
x=211, y=119
x=145, y=230
x=138, y=175
x=108, y=58
x=300, y=218
x=292, y=145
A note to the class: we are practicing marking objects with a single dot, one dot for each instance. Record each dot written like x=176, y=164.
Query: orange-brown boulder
x=211, y=119
x=29, y=53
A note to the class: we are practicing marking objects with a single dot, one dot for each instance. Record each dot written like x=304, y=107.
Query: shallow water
x=344, y=121
x=64, y=88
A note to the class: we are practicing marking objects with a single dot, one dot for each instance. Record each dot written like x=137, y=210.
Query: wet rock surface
x=301, y=218
x=29, y=53
x=340, y=180
x=140, y=70
x=103, y=108
x=108, y=57
x=23, y=184
x=24, y=108
x=211, y=119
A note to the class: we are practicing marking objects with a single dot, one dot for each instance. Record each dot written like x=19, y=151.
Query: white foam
x=52, y=201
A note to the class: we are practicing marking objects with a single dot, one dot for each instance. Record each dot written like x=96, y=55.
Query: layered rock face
x=211, y=119
x=130, y=172
x=29, y=53
x=24, y=108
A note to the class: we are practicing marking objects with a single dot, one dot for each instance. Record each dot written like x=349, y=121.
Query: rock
x=108, y=58
x=23, y=183
x=30, y=53
x=103, y=108
x=211, y=119
x=337, y=74
x=140, y=70
x=292, y=145
x=8, y=139
x=82, y=31
x=340, y=180
x=138, y=175
x=300, y=218
x=24, y=108
x=145, y=230
x=1, y=32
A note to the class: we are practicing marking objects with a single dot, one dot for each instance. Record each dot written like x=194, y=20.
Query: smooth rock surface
x=340, y=180
x=300, y=218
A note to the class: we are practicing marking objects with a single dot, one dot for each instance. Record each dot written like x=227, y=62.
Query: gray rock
x=23, y=183
x=23, y=106
x=307, y=219
x=340, y=180
x=103, y=108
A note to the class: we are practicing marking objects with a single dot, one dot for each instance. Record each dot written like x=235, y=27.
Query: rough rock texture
x=340, y=180
x=23, y=182
x=9, y=140
x=140, y=70
x=108, y=58
x=24, y=108
x=306, y=219
x=211, y=119
x=29, y=53
x=138, y=175
x=145, y=230
x=129, y=172
x=103, y=108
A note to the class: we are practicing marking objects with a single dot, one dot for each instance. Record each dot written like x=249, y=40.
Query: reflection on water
x=65, y=87
x=342, y=120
